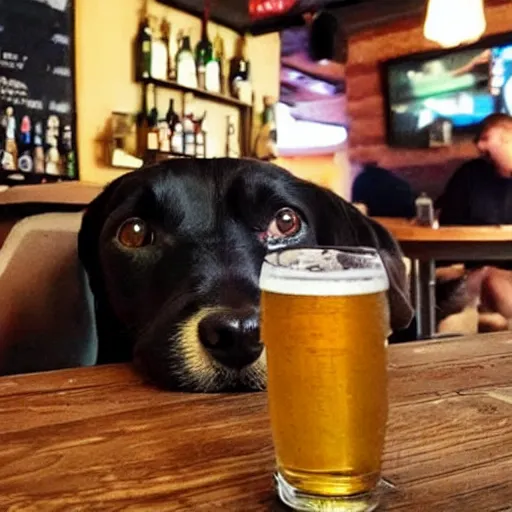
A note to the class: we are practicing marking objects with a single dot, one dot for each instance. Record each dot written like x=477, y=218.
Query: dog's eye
x=285, y=223
x=134, y=233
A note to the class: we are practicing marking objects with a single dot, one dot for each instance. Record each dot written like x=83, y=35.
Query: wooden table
x=100, y=439
x=425, y=245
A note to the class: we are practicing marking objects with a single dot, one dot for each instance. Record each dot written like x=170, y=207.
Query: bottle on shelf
x=177, y=138
x=165, y=30
x=239, y=73
x=214, y=68
x=11, y=146
x=25, y=162
x=186, y=65
x=232, y=145
x=143, y=47
x=159, y=51
x=152, y=119
x=164, y=139
x=69, y=154
x=189, y=139
x=38, y=148
x=172, y=117
x=266, y=141
x=204, y=48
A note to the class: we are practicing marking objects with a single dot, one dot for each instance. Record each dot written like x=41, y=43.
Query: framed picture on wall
x=37, y=92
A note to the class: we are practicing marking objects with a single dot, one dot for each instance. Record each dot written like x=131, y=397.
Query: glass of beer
x=325, y=323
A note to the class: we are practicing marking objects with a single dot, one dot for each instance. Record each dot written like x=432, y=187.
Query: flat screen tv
x=438, y=97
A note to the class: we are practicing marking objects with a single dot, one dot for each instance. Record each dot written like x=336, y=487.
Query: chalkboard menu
x=37, y=103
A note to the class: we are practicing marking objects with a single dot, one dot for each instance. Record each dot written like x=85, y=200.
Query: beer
x=324, y=325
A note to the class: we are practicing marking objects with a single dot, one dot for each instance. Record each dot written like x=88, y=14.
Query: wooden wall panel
x=366, y=108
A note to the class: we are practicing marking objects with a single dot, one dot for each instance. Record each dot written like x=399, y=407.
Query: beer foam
x=324, y=271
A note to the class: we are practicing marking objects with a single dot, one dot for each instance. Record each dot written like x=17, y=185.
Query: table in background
x=100, y=439
x=425, y=245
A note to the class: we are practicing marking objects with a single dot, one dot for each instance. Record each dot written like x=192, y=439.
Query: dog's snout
x=232, y=337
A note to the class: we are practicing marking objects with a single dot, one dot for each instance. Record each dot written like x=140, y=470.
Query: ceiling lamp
x=453, y=22
x=264, y=8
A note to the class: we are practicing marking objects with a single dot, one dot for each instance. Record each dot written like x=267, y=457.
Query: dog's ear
x=88, y=237
x=339, y=223
x=113, y=345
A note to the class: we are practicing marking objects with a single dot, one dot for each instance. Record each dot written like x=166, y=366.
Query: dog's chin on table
x=180, y=361
x=173, y=254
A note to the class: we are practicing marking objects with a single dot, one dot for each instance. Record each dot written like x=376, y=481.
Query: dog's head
x=174, y=251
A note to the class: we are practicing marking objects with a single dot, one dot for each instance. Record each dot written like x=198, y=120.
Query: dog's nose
x=232, y=337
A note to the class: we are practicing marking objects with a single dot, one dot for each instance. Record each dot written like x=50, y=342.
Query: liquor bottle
x=177, y=138
x=143, y=44
x=189, y=137
x=239, y=68
x=165, y=30
x=69, y=154
x=175, y=45
x=214, y=68
x=266, y=141
x=25, y=162
x=152, y=119
x=185, y=65
x=159, y=57
x=232, y=146
x=26, y=131
x=53, y=158
x=11, y=146
x=164, y=140
x=204, y=48
x=172, y=117
x=38, y=147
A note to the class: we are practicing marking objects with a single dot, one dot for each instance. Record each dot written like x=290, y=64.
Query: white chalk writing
x=60, y=39
x=61, y=71
x=62, y=107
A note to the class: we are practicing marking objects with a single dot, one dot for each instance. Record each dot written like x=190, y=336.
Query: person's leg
x=497, y=291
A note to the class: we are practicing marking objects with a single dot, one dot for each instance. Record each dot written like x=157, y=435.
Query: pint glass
x=325, y=321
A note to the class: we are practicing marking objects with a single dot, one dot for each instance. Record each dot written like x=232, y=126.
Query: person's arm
x=455, y=203
x=482, y=58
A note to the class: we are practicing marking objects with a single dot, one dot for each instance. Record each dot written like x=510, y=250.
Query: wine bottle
x=239, y=69
x=144, y=43
x=214, y=68
x=204, y=48
x=185, y=64
x=159, y=49
x=152, y=119
x=165, y=29
x=172, y=117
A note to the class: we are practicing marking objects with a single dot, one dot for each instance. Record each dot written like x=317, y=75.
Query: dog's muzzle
x=232, y=337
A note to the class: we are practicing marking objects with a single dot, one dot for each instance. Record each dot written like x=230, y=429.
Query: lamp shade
x=264, y=8
x=453, y=22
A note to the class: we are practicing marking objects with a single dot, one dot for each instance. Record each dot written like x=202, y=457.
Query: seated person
x=383, y=193
x=480, y=193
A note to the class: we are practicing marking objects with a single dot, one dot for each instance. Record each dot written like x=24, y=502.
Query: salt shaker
x=424, y=210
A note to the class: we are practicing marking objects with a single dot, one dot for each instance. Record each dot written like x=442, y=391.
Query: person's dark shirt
x=477, y=195
x=385, y=194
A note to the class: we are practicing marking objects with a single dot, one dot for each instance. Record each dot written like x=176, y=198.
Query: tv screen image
x=433, y=99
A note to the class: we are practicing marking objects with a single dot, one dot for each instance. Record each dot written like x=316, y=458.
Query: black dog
x=173, y=254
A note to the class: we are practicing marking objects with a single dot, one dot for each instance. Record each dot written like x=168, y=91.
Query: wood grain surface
x=404, y=230
x=102, y=439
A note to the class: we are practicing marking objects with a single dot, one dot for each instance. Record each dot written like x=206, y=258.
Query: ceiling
x=354, y=15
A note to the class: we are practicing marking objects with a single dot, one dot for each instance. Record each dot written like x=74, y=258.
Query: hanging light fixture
x=453, y=22
x=265, y=8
